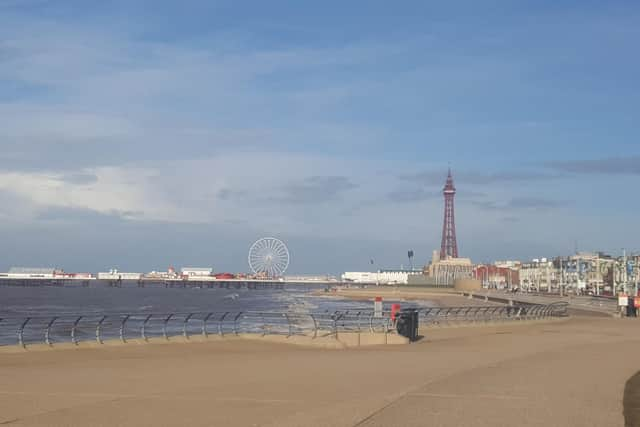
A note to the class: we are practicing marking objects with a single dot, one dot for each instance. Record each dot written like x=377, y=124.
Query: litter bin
x=407, y=324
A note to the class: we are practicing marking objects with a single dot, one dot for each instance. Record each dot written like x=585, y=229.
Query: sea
x=42, y=303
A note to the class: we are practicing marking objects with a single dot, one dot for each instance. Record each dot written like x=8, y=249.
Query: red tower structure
x=449, y=247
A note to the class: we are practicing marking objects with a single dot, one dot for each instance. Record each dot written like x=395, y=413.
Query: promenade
x=563, y=373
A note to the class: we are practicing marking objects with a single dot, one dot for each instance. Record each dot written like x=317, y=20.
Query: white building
x=514, y=265
x=310, y=278
x=538, y=275
x=196, y=271
x=381, y=277
x=114, y=274
x=33, y=273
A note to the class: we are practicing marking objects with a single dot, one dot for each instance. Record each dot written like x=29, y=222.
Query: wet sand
x=439, y=298
x=570, y=373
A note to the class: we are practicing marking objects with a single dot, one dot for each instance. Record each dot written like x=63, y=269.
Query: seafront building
x=538, y=275
x=499, y=275
x=114, y=274
x=380, y=277
x=583, y=272
x=196, y=271
x=42, y=273
x=32, y=273
x=310, y=278
x=447, y=271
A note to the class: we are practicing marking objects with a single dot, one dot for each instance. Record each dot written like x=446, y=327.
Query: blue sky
x=142, y=135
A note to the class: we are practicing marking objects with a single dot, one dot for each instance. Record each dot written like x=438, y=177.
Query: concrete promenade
x=567, y=373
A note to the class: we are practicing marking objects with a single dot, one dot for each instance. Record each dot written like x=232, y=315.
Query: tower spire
x=449, y=245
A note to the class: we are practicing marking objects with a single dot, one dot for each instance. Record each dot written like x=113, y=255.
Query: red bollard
x=395, y=308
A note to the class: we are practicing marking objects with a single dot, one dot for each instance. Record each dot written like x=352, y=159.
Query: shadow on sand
x=631, y=402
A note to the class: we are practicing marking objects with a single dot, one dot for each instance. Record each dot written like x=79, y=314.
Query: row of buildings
x=584, y=272
x=595, y=273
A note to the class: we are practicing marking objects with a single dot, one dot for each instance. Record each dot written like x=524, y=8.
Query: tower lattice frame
x=449, y=246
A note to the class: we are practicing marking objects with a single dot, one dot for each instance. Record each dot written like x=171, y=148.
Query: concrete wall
x=423, y=280
x=467, y=285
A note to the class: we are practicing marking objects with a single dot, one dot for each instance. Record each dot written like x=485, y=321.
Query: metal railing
x=495, y=313
x=145, y=326
x=24, y=330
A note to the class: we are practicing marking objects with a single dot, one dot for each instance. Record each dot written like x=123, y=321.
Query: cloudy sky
x=142, y=134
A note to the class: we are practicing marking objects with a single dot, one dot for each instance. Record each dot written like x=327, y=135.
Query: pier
x=154, y=282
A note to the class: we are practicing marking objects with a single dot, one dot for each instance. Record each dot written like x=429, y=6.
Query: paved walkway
x=570, y=373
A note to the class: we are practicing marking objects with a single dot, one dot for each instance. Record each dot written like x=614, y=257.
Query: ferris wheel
x=269, y=256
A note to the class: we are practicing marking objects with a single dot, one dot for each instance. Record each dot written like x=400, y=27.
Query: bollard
x=395, y=309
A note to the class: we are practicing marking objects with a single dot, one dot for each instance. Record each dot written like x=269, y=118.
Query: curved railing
x=493, y=313
x=74, y=328
x=23, y=330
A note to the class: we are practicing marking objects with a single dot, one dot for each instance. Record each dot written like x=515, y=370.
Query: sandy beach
x=439, y=298
x=569, y=373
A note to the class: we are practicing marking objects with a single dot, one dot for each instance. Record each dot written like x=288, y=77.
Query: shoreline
x=438, y=298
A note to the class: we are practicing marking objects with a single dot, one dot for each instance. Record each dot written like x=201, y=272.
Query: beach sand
x=570, y=373
x=438, y=298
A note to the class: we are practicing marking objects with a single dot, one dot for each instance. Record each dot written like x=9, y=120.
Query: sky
x=142, y=134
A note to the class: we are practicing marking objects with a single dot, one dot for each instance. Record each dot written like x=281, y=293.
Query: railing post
x=185, y=333
x=264, y=324
x=47, y=332
x=315, y=326
x=122, y=324
x=164, y=326
x=487, y=314
x=73, y=330
x=220, y=331
x=21, y=332
x=235, y=323
x=204, y=325
x=498, y=309
x=386, y=332
x=143, y=328
x=99, y=330
x=358, y=323
x=289, y=324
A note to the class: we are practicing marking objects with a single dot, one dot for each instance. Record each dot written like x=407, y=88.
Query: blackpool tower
x=449, y=247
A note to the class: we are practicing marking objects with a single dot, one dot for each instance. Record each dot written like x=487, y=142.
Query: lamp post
x=624, y=277
x=410, y=255
x=635, y=266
